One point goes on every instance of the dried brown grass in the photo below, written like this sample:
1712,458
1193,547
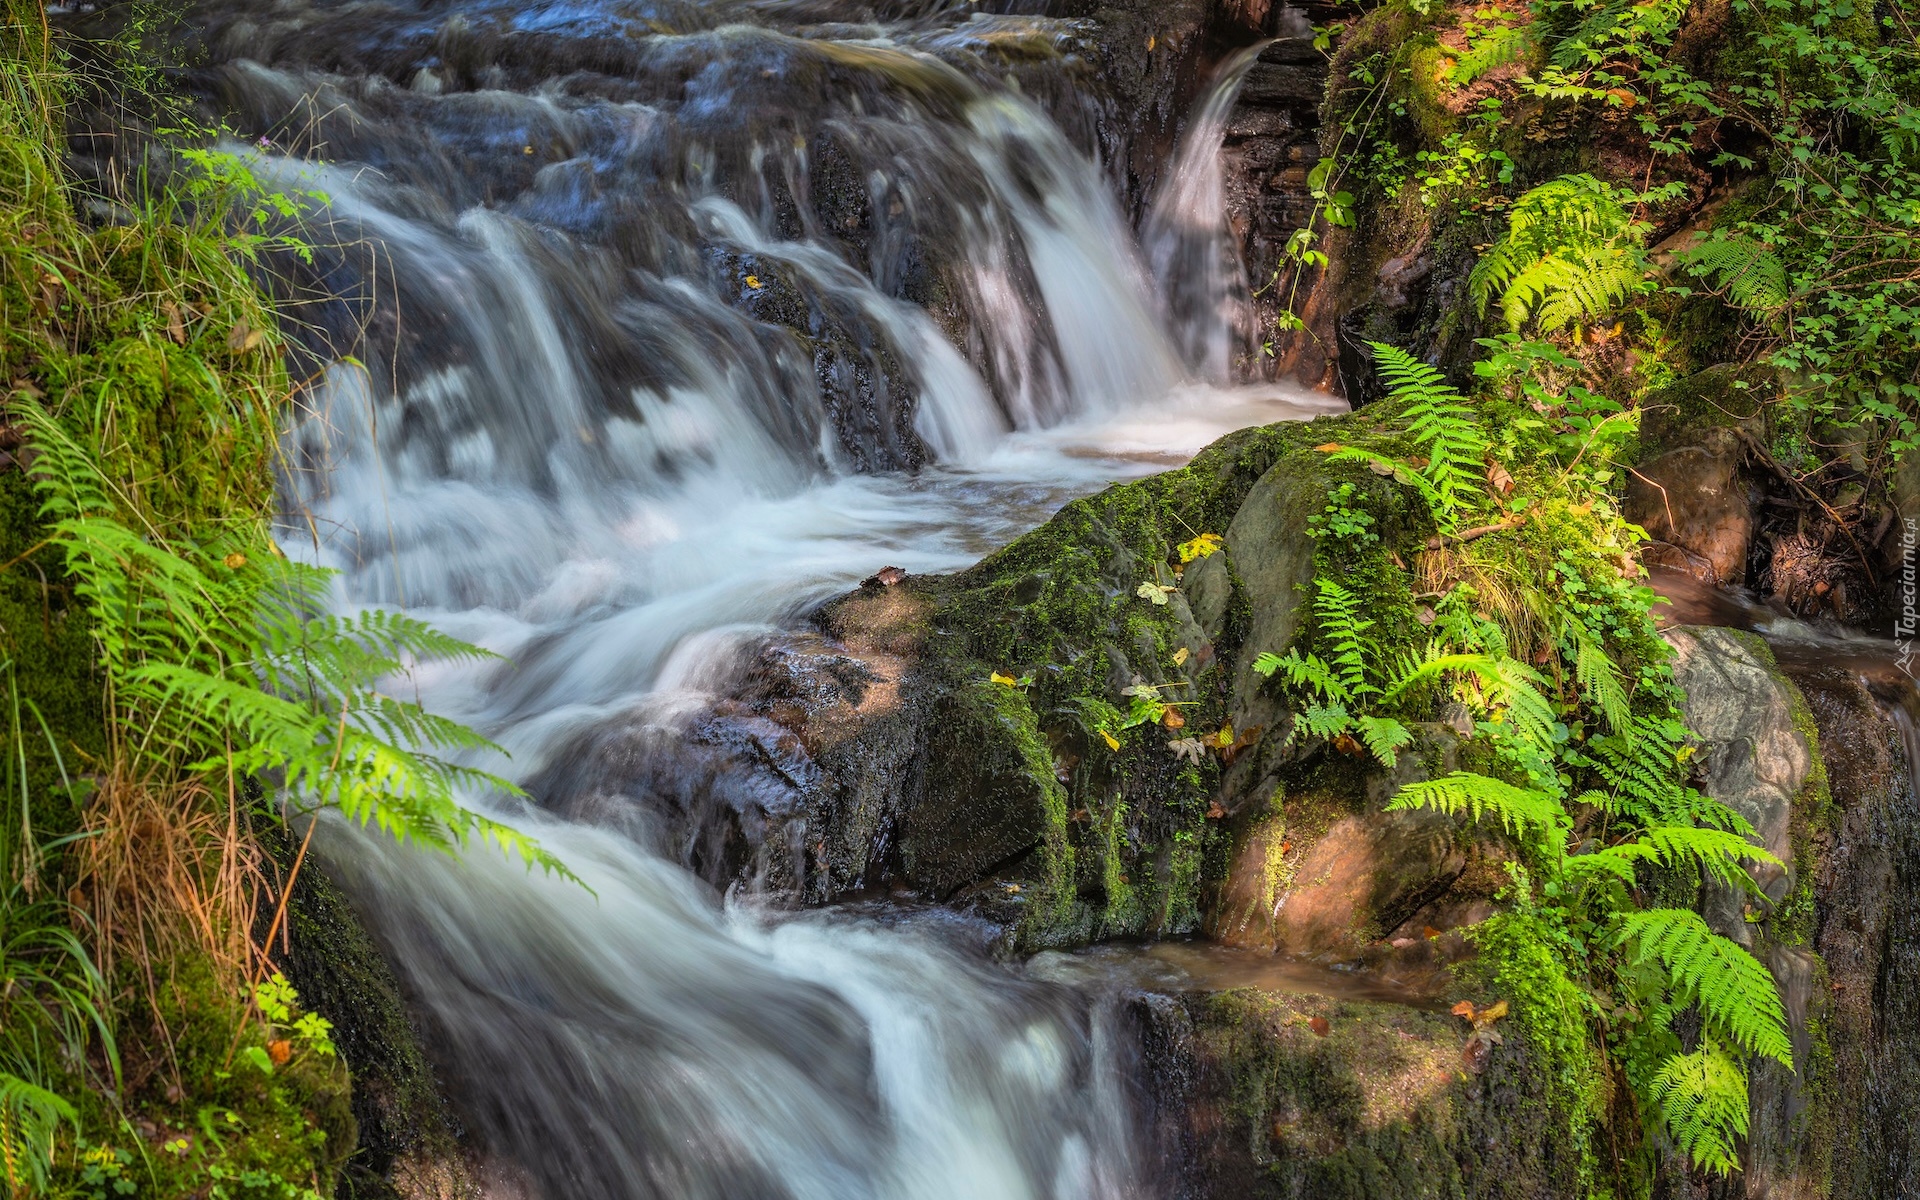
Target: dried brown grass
171,868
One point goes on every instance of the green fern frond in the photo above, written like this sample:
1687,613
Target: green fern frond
1575,283
1498,47
1384,736
1305,671
1337,612
1599,678
1442,423
1571,252
1520,810
1750,274
230,648
1734,992
1717,853
1325,720
1701,1101
30,1117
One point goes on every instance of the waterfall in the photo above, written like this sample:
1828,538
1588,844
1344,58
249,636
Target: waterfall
668,322
1194,255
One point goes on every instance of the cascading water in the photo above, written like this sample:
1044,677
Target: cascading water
660,304
1195,260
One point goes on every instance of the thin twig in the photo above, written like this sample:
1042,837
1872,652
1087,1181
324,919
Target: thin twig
1477,532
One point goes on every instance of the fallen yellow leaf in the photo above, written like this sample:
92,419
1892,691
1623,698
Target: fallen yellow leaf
997,677
753,282
1200,547
1180,657
1113,743
1329,447
235,561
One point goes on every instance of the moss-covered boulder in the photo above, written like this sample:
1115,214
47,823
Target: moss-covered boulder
1071,737
400,1138
1260,1094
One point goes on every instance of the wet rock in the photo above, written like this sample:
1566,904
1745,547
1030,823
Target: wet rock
1697,504
1755,759
1860,1134
401,1132
1353,885
1260,1094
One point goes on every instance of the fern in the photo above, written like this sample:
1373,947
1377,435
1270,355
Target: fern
1498,47
30,1116
1442,424
1384,736
1338,613
1520,810
1598,677
1716,852
1735,994
216,647
1570,253
1750,274
1701,1099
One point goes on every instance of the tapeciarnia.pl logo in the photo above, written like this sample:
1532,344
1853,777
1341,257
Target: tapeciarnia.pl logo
1908,622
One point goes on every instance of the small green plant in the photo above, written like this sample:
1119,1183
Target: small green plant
1343,518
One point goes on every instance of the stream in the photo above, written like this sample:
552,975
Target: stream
672,320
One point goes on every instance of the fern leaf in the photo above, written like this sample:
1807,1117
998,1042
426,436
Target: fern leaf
1599,678
1701,1099
1383,737
1734,992
1716,852
1325,721
1520,810
1751,275
1498,47
1441,421
30,1116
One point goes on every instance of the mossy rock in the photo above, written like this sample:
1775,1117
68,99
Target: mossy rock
399,1119
1261,1094
1029,795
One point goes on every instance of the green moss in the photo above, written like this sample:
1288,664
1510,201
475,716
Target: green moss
1524,961
1307,1095
1129,826
341,974
215,1111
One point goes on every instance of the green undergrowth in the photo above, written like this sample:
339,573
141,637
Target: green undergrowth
1535,625
1749,173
